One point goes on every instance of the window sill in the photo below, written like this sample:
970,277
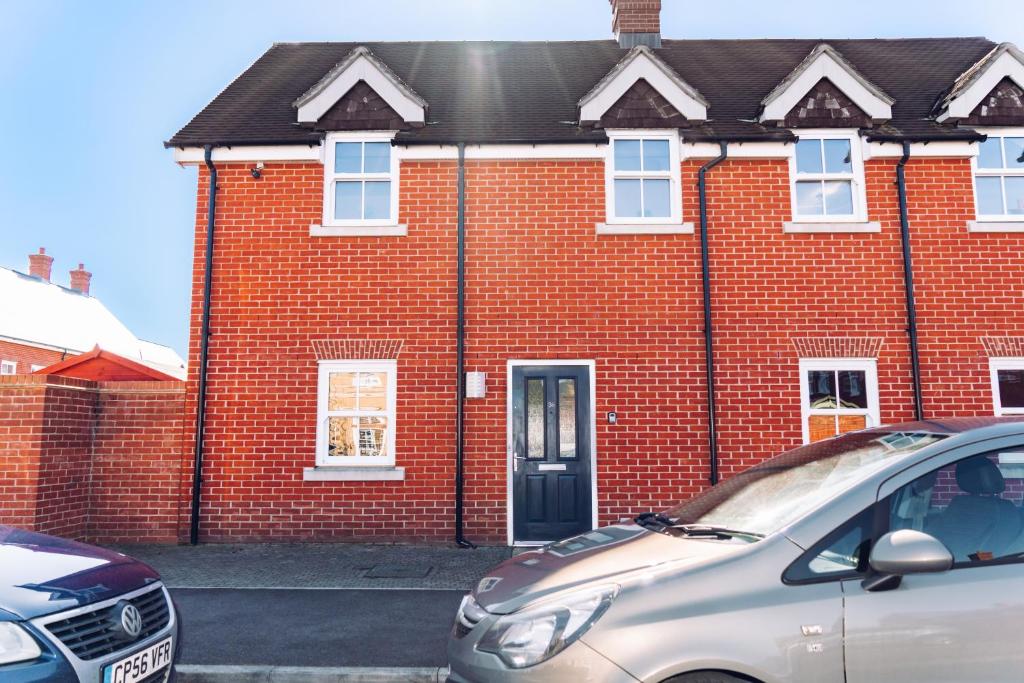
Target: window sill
643,229
349,473
995,226
859,226
358,230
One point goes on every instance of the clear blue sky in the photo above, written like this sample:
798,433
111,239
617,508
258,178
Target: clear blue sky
91,90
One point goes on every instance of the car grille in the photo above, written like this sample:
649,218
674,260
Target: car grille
90,635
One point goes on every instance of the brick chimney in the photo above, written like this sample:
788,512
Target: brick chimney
637,22
40,264
80,279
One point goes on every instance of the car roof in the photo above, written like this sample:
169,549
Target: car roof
960,425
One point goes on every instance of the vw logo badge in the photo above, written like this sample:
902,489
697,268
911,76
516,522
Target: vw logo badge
127,620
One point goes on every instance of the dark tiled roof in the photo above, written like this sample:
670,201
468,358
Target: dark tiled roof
528,91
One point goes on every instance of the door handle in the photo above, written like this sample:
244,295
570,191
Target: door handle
515,460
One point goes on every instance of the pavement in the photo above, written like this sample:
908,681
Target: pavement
316,613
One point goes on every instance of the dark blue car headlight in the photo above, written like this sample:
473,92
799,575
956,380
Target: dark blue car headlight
16,645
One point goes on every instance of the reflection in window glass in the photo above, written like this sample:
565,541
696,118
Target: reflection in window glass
627,198
627,155
372,431
377,157
566,418
656,155
657,200
809,199
821,389
347,157
838,197
342,391
341,437
348,200
1011,388
1014,194
990,194
808,156
838,156
378,200
990,154
853,392
535,418
1014,151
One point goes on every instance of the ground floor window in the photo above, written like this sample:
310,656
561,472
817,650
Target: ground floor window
356,413
8,367
837,395
1007,385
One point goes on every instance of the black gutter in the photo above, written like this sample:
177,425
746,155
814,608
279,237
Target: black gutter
415,141
204,346
961,136
460,349
705,274
908,281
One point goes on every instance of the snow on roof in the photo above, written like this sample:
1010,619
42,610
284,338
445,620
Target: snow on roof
40,313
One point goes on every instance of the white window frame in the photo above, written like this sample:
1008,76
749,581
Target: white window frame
675,216
8,367
994,366
977,171
34,367
869,366
856,176
330,178
390,367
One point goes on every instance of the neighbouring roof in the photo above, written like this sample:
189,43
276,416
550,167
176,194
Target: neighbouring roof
36,312
529,91
105,366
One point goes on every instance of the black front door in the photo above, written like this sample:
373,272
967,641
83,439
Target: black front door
551,436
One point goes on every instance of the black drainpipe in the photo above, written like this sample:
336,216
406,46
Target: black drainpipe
204,345
908,282
705,276
460,348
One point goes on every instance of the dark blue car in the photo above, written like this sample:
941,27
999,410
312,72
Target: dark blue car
77,613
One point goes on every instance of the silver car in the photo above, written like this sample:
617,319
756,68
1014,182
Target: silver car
892,554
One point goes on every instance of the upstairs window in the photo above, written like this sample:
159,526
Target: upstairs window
643,178
1007,385
827,178
361,181
837,396
999,177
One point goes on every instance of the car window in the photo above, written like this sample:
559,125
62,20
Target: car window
973,506
840,554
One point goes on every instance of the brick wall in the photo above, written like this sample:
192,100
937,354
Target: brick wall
27,356
91,460
542,284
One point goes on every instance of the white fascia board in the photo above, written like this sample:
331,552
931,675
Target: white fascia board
826,66
737,150
194,155
362,68
894,150
1008,64
643,64
529,151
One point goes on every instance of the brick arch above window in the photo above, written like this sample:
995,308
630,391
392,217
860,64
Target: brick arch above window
838,347
1003,347
357,349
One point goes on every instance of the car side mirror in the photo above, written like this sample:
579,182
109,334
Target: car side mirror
902,552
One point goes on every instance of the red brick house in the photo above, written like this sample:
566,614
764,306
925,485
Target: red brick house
507,291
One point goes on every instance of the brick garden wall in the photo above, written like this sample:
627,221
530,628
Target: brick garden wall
542,284
91,460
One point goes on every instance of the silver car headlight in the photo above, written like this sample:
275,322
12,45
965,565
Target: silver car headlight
16,645
541,630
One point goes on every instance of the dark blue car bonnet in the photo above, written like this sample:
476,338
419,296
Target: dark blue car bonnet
41,574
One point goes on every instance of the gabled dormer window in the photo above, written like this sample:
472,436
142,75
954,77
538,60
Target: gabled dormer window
361,180
827,178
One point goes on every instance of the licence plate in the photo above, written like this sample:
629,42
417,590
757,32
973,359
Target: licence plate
138,666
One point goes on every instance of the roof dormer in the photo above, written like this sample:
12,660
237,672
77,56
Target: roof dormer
642,91
991,92
361,93
826,91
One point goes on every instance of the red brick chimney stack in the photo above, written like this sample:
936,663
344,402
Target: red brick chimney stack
40,264
637,22
80,279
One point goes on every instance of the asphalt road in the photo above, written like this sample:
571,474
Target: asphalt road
321,628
